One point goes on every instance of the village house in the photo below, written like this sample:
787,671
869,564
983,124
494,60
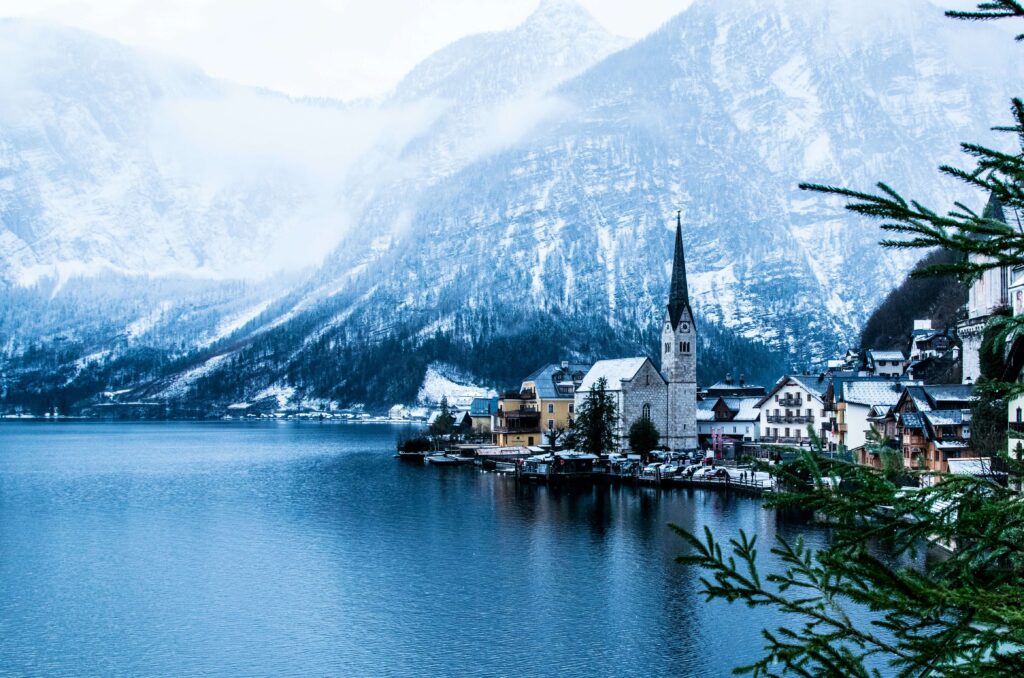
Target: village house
728,422
888,364
727,416
482,412
794,403
934,425
858,403
543,407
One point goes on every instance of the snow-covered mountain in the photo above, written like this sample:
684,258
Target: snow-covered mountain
514,197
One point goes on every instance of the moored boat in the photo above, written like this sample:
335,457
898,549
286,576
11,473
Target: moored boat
448,460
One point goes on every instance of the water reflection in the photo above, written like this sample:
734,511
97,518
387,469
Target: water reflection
302,549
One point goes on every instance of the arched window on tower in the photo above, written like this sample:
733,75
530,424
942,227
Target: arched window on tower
647,411
681,346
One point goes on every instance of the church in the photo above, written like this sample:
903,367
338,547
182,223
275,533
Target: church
667,396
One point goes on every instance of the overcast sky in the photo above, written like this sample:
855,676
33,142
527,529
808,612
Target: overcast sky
337,48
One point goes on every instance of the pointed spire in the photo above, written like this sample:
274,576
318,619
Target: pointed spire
994,209
678,294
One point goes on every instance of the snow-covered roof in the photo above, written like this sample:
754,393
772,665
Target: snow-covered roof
873,391
886,355
947,417
912,420
745,408
971,466
613,371
950,392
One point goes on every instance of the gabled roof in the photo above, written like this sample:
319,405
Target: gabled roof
614,372
918,396
549,376
743,408
912,420
814,384
885,355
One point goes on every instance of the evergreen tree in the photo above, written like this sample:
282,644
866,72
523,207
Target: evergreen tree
960,616
643,437
594,427
445,422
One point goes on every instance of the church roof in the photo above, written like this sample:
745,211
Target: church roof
613,371
678,292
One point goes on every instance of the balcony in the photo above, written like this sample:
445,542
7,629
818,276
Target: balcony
789,401
790,419
517,421
783,440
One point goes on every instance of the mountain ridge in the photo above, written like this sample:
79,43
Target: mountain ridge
557,237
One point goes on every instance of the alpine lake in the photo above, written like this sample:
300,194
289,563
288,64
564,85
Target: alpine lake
298,549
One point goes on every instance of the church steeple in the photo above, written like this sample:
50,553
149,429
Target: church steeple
678,294
994,209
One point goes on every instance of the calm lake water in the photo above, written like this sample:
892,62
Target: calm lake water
306,549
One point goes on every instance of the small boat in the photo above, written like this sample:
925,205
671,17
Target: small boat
448,459
412,456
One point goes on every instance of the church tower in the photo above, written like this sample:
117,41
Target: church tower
679,356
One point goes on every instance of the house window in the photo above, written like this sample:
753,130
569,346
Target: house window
648,379
797,432
572,407
668,347
787,432
551,424
551,408
529,441
1018,415
647,411
809,412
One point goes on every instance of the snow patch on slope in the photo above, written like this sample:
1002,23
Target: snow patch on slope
442,381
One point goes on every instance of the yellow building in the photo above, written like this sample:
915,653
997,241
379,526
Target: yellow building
542,408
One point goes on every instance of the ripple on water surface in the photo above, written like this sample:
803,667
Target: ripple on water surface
306,549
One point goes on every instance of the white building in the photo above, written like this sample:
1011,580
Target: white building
888,364
989,295
729,417
636,387
855,401
794,403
